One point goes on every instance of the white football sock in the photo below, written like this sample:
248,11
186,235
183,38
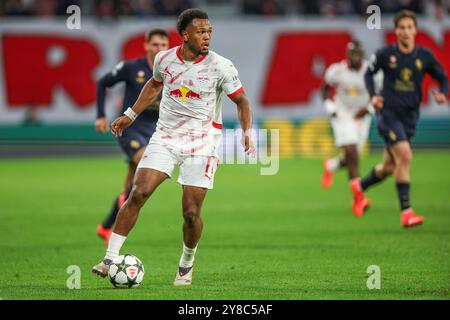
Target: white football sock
188,256
333,164
115,243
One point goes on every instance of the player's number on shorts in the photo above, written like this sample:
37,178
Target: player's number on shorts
210,166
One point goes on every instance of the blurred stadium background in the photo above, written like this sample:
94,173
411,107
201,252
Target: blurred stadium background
282,238
281,48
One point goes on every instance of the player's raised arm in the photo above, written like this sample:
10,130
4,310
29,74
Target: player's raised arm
148,93
245,119
437,72
374,65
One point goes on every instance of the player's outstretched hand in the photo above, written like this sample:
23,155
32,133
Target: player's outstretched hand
120,124
247,143
439,97
377,102
101,125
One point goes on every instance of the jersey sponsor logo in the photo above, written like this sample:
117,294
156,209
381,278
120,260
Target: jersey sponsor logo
404,83
392,62
406,74
140,76
184,93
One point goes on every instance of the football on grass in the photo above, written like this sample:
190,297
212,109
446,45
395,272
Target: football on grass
126,271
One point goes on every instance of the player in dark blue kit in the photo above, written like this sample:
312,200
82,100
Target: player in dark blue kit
135,73
404,65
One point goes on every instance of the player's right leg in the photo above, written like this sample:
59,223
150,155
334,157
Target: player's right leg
330,166
145,183
104,230
351,159
341,132
347,136
360,203
156,165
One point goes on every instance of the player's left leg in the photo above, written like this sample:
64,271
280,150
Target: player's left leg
196,177
342,131
192,230
351,160
403,156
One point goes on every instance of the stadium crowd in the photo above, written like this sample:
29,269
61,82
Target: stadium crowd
144,8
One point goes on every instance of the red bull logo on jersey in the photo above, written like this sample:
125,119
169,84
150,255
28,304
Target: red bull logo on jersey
184,94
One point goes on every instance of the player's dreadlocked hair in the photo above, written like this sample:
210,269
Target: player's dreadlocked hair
160,32
187,16
405,14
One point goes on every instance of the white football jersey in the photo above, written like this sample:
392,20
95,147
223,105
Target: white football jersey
191,105
193,90
351,93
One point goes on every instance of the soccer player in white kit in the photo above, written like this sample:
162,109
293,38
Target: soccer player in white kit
350,114
193,80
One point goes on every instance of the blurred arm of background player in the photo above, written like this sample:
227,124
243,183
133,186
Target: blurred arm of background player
437,72
330,106
107,81
245,118
376,101
148,94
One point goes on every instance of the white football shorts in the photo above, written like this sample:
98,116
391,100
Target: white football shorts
348,131
195,170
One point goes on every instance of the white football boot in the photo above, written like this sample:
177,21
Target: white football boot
102,268
184,277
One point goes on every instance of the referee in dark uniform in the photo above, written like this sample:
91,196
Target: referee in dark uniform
134,73
404,65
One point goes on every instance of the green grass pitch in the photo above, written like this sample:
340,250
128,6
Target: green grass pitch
265,237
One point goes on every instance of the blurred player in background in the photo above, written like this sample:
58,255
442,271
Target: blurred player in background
404,65
193,80
350,114
135,73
